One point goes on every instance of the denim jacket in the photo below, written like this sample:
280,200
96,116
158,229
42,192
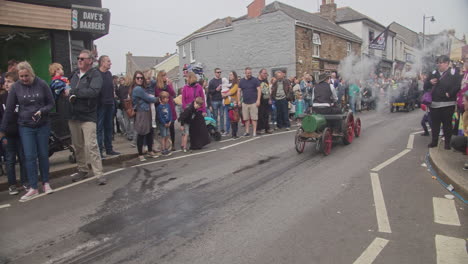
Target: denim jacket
141,99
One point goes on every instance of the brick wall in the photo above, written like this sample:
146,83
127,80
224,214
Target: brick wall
333,48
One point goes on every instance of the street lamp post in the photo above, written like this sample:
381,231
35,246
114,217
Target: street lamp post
424,27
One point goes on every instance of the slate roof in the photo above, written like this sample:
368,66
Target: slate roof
145,62
347,14
411,37
215,24
173,74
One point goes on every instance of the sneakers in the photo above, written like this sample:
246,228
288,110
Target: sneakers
102,180
166,153
152,154
142,158
112,153
254,134
185,150
29,195
47,188
465,167
246,134
288,128
269,131
13,190
225,134
78,176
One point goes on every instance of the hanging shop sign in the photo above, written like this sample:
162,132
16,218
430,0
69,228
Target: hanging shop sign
90,19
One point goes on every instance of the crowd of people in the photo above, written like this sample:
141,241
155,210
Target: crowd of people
98,105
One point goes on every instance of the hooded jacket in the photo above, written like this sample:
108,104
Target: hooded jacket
86,91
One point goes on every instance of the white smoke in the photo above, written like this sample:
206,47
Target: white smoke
354,68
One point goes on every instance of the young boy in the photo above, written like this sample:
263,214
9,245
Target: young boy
12,143
185,119
59,83
165,120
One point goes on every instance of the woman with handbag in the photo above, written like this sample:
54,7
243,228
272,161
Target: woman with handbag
142,97
442,85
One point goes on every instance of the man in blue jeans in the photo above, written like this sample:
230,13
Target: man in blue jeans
106,108
214,91
280,91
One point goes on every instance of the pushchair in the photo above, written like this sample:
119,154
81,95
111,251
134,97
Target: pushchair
60,138
212,128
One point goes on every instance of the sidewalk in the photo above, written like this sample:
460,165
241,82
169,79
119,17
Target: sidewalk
449,166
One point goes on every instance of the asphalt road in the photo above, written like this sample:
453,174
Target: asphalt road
255,202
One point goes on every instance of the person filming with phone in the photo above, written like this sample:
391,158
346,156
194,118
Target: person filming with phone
34,99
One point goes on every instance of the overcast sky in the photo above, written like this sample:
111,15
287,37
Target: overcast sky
152,27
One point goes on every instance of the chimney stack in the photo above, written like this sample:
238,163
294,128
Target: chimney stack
328,10
255,8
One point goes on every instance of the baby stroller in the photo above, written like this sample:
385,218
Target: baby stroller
212,128
60,138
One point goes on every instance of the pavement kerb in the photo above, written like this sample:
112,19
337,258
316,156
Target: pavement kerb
69,170
446,176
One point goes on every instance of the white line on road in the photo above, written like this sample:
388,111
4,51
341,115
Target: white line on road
175,158
230,139
4,206
410,142
372,251
451,250
390,160
233,145
279,133
445,212
380,208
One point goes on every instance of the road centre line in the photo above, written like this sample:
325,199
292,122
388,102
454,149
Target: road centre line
410,142
372,251
445,212
380,208
5,206
390,160
450,250
175,158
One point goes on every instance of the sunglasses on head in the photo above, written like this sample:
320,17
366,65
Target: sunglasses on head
81,58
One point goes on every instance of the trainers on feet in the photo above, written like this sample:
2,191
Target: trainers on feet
254,134
166,153
152,154
47,188
102,180
184,150
465,167
142,158
112,153
287,129
246,134
13,190
29,195
78,176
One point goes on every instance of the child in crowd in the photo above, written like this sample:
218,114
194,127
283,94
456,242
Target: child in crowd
300,105
11,143
165,120
426,119
234,119
225,87
59,83
192,121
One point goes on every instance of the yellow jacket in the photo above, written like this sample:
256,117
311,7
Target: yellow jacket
233,94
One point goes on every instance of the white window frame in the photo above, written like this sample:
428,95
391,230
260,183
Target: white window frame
192,52
348,48
316,43
183,52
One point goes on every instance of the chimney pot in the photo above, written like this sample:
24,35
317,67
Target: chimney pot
255,8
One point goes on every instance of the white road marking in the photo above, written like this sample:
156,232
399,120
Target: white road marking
372,251
175,158
380,208
5,206
279,133
450,250
236,144
390,160
445,212
230,139
410,142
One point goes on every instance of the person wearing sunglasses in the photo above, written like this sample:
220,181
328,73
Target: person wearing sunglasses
35,100
214,92
85,86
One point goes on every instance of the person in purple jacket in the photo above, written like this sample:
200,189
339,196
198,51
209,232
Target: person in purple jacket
163,84
35,100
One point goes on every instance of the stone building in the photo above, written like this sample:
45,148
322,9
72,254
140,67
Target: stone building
275,37
406,46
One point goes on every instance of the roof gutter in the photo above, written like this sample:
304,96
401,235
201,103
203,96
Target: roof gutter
305,25
202,34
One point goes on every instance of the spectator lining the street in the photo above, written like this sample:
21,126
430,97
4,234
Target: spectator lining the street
265,103
164,114
86,84
35,101
281,92
214,92
250,93
230,103
142,97
199,136
12,146
164,84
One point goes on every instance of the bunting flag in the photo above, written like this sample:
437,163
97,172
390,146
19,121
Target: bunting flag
380,42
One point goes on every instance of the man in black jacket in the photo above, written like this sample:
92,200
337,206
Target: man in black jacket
214,91
324,97
83,95
444,84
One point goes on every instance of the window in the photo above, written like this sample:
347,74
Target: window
316,45
348,48
192,52
371,35
316,75
183,52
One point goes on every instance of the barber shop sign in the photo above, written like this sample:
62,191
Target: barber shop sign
95,20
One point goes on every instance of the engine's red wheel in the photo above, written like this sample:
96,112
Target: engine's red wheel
348,129
298,142
327,141
357,127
